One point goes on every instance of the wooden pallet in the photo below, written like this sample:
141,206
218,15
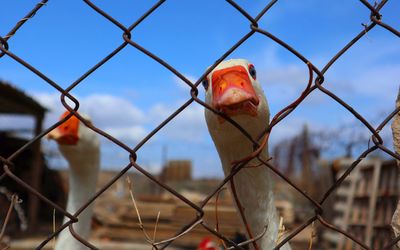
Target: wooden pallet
366,202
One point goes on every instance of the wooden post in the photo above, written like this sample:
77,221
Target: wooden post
36,175
373,191
307,176
290,169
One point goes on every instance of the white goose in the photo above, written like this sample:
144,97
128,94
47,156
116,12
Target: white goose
233,89
81,148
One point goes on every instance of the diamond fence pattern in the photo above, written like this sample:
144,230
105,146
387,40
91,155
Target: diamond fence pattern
315,83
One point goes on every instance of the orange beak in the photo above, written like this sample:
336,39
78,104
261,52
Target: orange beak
233,92
67,132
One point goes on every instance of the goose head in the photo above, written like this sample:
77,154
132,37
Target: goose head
75,140
232,88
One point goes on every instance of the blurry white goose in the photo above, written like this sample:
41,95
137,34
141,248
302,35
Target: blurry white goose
81,148
233,89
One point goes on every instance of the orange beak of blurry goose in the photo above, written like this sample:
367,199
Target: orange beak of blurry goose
233,92
67,132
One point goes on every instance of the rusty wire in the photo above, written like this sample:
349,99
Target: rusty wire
376,20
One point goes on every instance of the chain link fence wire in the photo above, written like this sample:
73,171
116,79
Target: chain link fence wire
376,21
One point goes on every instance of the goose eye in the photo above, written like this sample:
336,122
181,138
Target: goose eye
252,71
205,83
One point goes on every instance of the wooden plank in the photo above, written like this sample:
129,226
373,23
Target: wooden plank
353,179
372,201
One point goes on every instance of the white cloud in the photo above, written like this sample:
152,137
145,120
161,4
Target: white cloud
382,81
290,127
183,85
51,101
288,75
123,120
188,126
112,111
22,125
366,77
135,133
114,115
282,81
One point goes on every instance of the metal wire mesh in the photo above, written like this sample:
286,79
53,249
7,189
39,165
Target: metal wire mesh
377,22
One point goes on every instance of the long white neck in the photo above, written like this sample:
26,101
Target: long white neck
83,173
253,187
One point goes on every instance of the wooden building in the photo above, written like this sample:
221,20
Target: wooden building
177,171
365,203
29,165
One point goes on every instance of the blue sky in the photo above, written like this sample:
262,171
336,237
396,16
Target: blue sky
132,94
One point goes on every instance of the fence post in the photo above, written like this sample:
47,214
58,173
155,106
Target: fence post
36,175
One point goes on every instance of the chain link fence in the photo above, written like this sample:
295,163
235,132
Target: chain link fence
376,22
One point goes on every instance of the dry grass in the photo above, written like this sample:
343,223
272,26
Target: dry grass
141,225
312,235
281,231
14,200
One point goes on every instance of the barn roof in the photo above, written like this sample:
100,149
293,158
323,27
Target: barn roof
15,101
